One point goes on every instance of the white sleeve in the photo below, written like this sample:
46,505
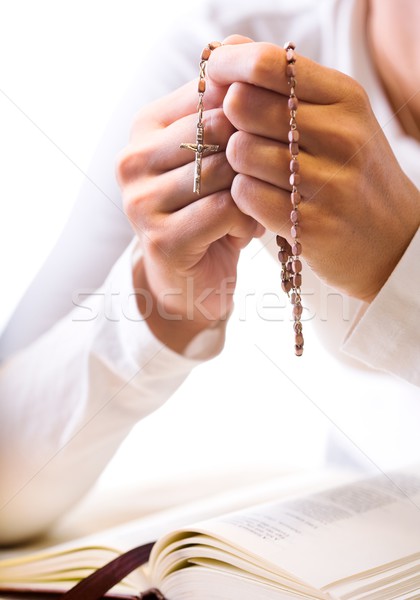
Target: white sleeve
386,333
80,367
70,398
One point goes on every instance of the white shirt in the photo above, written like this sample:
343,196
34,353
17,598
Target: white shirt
66,348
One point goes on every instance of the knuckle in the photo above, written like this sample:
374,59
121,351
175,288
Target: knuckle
355,95
265,61
224,201
155,244
130,163
216,120
135,201
219,169
235,103
242,187
237,150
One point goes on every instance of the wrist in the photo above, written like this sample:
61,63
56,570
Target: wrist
173,315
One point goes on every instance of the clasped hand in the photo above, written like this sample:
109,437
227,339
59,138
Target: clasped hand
359,213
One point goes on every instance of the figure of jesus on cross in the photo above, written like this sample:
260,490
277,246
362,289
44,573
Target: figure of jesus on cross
199,148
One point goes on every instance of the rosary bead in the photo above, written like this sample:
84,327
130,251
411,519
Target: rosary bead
297,280
297,310
294,179
297,266
290,55
297,248
214,45
205,55
292,103
295,231
288,45
299,339
293,135
286,286
283,256
294,148
201,86
291,70
298,350
296,198
294,166
294,216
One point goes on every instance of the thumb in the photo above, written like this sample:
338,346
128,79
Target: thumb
236,39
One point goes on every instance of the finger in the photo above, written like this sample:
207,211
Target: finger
173,190
237,39
323,129
274,207
269,161
174,106
202,223
182,101
159,151
273,212
244,104
264,65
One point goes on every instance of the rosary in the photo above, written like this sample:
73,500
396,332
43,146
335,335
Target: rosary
288,254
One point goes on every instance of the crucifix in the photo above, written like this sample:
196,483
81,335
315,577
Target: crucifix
199,148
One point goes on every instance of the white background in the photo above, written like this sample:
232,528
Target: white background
63,67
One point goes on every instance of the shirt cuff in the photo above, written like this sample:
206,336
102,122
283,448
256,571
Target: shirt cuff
386,333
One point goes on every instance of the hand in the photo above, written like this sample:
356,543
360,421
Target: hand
191,244
360,211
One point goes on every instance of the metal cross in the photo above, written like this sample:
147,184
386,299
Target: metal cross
199,148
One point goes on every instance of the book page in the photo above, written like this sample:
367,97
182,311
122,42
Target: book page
329,535
96,549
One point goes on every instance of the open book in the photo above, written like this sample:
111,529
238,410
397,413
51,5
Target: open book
360,540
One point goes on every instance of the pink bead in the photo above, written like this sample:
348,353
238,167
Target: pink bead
294,166
297,310
291,70
293,135
297,266
296,198
286,286
283,256
292,103
295,231
297,249
294,216
293,298
298,350
294,148
294,179
288,45
299,339
290,55
205,55
297,280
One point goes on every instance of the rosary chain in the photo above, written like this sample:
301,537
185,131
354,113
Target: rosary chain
199,147
291,265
